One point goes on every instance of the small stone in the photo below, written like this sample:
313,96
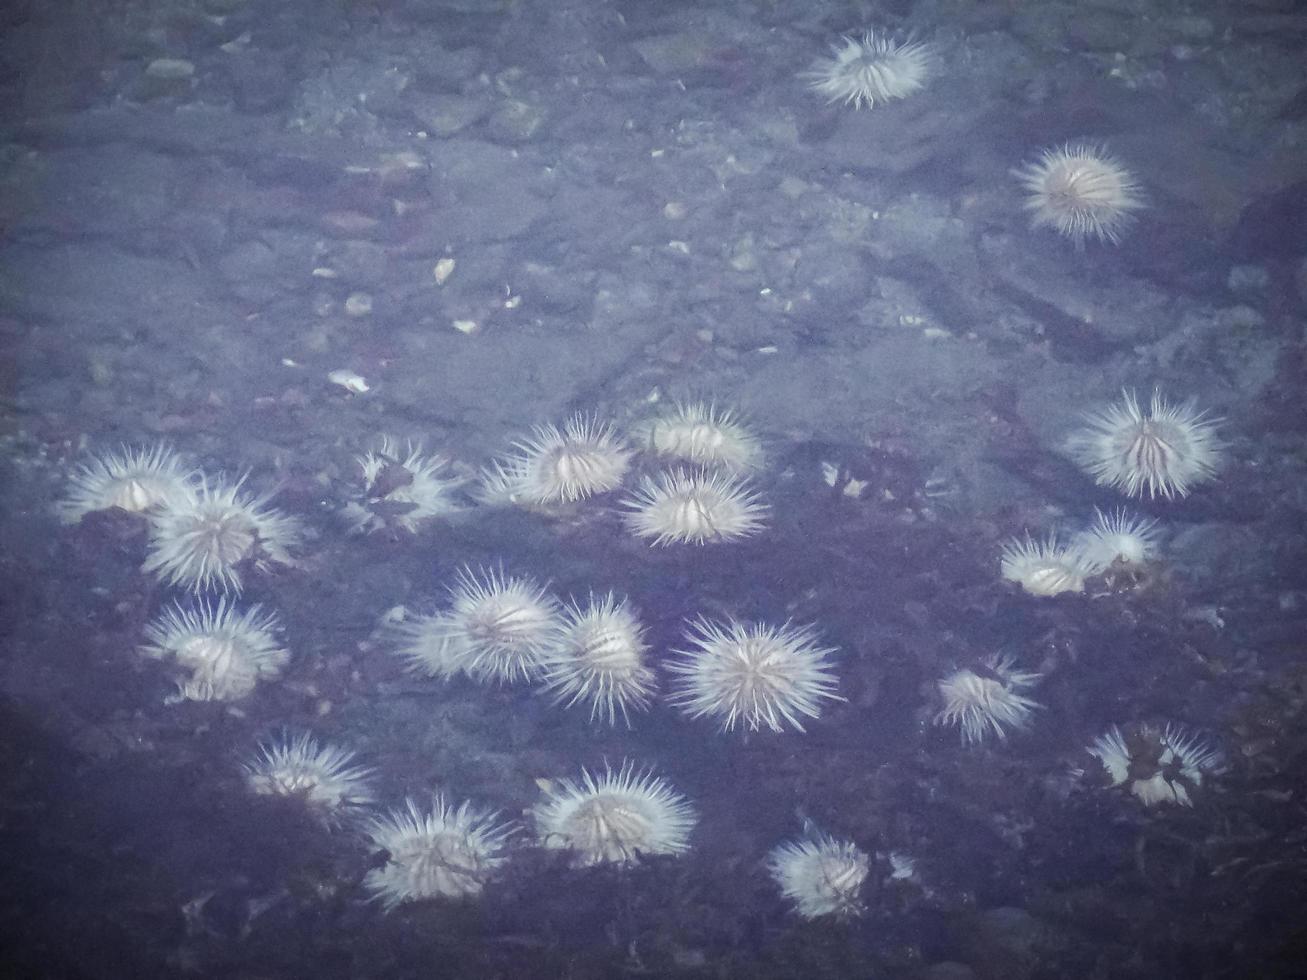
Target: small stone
358,305
445,115
399,169
515,121
1248,279
237,44
165,77
170,69
674,54
261,81
102,374
349,380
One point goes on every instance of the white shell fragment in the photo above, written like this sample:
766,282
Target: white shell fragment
170,68
358,304
349,380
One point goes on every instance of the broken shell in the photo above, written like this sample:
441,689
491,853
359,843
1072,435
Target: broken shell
358,304
171,69
348,380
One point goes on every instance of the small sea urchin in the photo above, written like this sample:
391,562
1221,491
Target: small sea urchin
599,659
553,466
1165,766
136,480
1080,191
498,628
872,70
225,653
1117,537
987,698
1044,568
206,541
614,818
429,643
820,875
682,507
322,775
753,675
1164,451
440,852
402,489
702,434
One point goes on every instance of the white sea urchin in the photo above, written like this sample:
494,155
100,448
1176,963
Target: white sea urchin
441,852
1165,450
206,541
1117,537
681,507
1081,191
137,480
872,70
497,628
599,659
1044,568
753,674
821,875
225,653
701,433
402,488
615,818
987,698
553,466
1160,766
322,775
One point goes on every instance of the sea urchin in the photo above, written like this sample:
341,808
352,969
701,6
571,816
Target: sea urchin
754,675
1165,450
699,507
614,818
555,466
872,70
207,541
987,698
225,653
820,875
599,659
324,776
135,480
1080,191
439,852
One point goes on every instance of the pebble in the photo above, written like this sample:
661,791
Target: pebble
349,380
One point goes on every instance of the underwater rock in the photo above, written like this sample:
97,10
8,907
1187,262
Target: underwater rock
1007,943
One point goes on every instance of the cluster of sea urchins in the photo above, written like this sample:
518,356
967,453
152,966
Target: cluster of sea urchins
503,628
1163,451
208,534
700,495
500,628
1081,191
1077,189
